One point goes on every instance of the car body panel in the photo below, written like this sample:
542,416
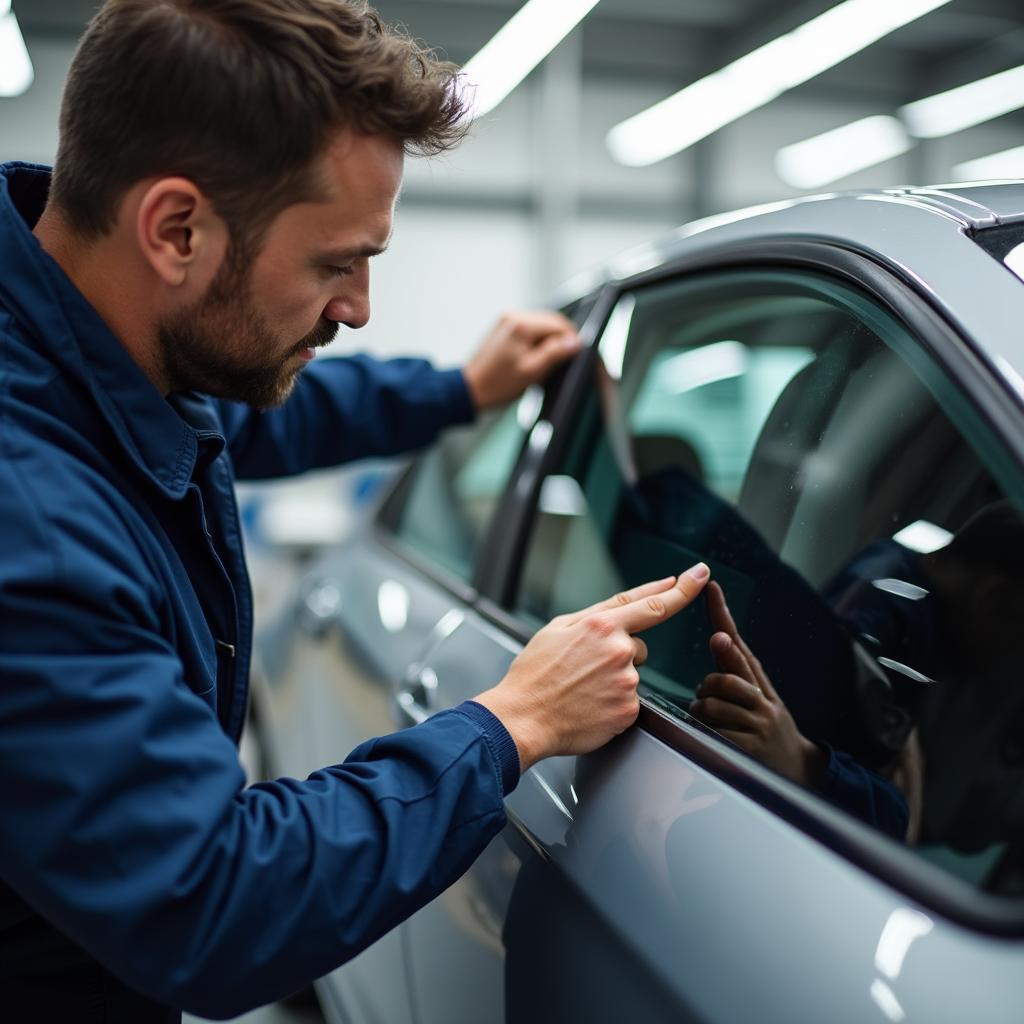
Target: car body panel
637,881
630,829
330,665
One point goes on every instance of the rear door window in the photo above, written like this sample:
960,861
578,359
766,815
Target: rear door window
444,505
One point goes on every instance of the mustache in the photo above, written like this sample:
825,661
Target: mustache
321,335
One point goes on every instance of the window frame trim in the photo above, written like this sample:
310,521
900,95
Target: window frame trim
498,540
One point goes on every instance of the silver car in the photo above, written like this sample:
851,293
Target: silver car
823,400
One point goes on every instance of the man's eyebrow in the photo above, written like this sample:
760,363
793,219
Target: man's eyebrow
344,255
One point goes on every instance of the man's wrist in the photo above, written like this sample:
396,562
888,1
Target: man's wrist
815,761
521,726
474,388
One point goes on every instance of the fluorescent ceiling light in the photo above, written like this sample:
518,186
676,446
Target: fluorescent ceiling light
721,360
393,605
756,79
1007,164
16,72
528,37
904,927
966,106
562,496
1014,261
869,141
616,334
843,151
530,406
923,536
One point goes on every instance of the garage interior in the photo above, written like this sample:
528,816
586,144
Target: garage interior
540,195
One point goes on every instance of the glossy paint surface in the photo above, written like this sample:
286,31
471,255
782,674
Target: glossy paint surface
635,883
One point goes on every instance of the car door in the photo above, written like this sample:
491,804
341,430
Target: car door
362,617
806,434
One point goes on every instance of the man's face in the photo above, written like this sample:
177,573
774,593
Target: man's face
257,326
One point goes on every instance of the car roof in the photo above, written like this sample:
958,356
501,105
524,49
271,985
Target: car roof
927,235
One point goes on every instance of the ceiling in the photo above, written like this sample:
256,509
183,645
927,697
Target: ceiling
677,41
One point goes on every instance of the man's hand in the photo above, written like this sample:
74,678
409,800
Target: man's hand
574,685
740,702
521,350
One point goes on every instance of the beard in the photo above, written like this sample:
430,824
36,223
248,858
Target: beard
224,347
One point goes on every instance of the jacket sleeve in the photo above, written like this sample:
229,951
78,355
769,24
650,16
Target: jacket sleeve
344,409
864,794
125,821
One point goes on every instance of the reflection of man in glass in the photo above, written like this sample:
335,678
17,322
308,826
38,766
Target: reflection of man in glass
934,632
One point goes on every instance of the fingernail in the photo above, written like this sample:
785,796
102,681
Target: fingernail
699,572
571,341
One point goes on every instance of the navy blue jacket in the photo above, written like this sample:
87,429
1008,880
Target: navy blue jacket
137,871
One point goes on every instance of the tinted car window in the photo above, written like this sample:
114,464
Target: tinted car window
446,502
863,527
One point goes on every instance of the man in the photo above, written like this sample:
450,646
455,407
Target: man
226,170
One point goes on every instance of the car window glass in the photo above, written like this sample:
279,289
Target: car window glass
455,486
865,531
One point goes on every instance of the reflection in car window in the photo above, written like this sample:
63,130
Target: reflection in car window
868,552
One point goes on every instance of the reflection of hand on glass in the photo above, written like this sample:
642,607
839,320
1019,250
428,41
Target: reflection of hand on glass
741,704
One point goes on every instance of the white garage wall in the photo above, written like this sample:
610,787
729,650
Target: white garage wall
445,277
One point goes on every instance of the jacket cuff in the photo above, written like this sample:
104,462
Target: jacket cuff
502,746
457,397
830,774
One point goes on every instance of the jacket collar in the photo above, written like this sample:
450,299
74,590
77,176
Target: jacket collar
50,309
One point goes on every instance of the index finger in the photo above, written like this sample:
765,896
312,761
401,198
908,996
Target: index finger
624,598
650,610
722,620
718,610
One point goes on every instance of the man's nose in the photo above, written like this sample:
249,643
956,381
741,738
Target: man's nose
352,309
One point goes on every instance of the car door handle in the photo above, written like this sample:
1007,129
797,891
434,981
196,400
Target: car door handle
415,698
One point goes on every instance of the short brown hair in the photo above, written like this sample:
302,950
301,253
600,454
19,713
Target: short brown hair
238,96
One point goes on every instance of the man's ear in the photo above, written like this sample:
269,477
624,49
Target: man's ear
178,231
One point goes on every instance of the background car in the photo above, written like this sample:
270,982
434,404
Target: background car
799,395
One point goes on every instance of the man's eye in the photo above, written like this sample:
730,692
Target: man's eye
340,271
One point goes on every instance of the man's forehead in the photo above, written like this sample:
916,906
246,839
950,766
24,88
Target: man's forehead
360,179
354,161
